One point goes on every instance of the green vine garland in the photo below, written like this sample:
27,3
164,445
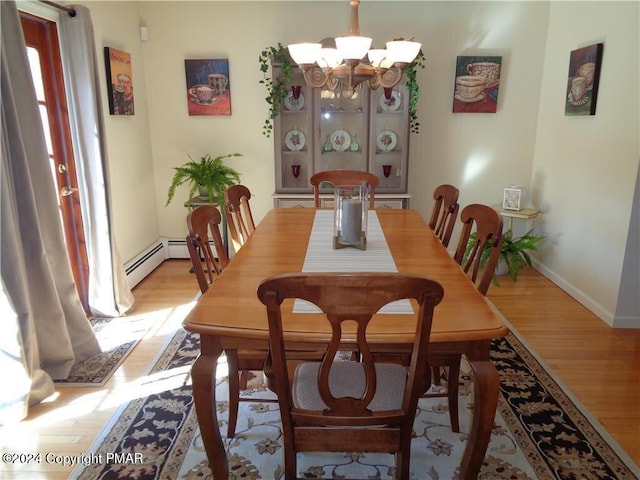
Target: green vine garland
277,89
414,90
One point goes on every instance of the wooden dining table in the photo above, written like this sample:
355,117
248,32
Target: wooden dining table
230,316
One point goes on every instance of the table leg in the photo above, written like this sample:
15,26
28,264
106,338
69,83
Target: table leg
486,389
203,375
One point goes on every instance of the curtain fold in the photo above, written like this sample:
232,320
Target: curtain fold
45,329
109,292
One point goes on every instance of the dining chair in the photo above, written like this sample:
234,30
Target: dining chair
341,405
484,254
238,214
445,212
207,266
344,177
478,260
201,221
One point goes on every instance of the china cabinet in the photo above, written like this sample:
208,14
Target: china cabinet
359,129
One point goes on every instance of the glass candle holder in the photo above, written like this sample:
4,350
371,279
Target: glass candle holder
350,216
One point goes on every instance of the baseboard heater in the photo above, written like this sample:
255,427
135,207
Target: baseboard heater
145,263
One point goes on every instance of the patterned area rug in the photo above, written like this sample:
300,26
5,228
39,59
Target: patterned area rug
539,432
117,337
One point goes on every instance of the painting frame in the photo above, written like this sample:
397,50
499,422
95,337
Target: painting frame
583,80
119,81
477,83
208,86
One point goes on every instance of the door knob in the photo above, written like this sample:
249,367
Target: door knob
66,190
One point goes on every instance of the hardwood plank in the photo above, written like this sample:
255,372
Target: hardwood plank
598,364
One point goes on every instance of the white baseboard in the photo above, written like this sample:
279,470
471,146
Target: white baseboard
177,249
626,322
603,314
146,262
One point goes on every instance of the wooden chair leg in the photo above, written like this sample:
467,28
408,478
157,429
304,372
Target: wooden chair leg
403,458
234,391
452,391
290,463
244,379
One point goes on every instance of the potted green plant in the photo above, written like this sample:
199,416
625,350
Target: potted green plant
210,176
514,253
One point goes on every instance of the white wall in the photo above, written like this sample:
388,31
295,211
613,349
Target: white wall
482,153
131,166
585,168
580,171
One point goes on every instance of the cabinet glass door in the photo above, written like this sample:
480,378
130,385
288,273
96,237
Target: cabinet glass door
389,138
342,129
294,139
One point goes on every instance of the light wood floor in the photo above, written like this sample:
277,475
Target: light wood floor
598,364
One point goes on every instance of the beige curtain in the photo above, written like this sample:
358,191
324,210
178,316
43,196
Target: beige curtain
109,292
44,327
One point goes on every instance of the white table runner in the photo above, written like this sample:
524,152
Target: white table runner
321,257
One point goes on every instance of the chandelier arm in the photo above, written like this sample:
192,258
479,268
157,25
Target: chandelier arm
315,76
332,82
374,82
390,77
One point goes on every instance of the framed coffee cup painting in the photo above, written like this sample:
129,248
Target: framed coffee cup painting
208,87
119,81
476,84
584,77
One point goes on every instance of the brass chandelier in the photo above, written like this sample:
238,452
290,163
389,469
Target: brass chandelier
330,63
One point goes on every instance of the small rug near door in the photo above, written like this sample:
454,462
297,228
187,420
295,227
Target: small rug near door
117,337
539,431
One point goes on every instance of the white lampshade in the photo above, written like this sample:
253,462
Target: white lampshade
329,57
403,51
376,56
305,53
353,47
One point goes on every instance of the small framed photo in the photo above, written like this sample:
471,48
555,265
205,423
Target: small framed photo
583,81
476,84
512,198
119,81
208,87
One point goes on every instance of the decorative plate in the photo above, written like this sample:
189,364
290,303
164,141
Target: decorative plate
387,140
340,140
392,104
294,104
294,140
